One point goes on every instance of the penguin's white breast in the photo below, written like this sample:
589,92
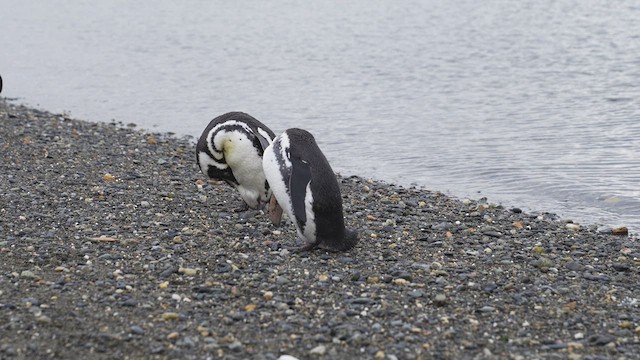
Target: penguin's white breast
310,225
275,177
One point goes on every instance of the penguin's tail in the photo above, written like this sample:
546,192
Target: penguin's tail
349,240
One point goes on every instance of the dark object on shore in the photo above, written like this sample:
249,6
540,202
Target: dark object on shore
307,189
624,231
0,84
230,149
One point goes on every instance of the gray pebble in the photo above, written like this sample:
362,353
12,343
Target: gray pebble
440,299
235,346
137,330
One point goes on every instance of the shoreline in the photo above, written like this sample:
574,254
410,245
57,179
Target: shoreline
114,245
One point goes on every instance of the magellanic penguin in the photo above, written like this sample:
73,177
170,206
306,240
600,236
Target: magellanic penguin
306,188
231,149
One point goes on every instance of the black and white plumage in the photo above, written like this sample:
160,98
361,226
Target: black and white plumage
231,149
307,189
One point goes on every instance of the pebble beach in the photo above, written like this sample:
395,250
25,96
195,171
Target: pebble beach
113,245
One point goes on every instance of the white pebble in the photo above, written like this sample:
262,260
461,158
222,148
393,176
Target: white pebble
287,357
318,350
573,227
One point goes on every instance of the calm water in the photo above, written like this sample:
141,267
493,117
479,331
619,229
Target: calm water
534,104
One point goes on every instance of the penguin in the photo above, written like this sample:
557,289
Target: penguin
0,84
307,189
230,149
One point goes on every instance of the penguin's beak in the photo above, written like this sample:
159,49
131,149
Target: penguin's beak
275,211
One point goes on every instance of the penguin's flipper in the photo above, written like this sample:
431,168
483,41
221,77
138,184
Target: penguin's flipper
300,178
263,141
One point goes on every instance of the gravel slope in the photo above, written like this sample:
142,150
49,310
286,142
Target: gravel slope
113,245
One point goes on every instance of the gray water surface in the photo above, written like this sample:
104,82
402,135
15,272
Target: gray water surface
534,104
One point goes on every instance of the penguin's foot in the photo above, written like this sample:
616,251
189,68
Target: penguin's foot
304,248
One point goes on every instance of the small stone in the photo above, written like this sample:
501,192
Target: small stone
43,319
129,303
169,316
268,295
250,307
401,282
173,335
361,300
604,230
187,271
379,355
573,227
440,299
323,277
136,330
235,346
441,226
626,324
601,340
108,177
318,350
574,266
486,309
28,274
537,249
621,231
621,267
544,264
416,293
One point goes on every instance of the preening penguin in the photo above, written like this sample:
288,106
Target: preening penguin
231,149
306,187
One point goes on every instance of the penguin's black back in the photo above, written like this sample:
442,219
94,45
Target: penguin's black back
327,201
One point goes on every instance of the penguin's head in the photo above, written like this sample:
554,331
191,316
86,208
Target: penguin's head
235,145
226,140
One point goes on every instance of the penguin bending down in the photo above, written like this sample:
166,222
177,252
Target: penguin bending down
306,187
230,149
